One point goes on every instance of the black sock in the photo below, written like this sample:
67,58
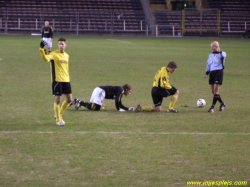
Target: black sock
83,104
90,106
215,99
220,100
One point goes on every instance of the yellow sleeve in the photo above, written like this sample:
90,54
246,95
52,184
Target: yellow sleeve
44,56
165,79
157,79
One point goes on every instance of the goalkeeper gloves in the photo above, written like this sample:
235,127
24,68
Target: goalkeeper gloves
43,44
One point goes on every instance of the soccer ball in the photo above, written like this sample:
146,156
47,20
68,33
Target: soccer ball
201,103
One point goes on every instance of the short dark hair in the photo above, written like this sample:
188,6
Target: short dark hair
172,64
127,87
62,39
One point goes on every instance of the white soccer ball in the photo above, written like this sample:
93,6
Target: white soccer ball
201,103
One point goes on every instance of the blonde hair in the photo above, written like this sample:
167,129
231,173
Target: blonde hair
215,43
215,46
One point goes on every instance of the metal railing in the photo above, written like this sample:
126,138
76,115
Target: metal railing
235,26
109,21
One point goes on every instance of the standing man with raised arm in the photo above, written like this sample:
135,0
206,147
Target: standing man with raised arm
59,60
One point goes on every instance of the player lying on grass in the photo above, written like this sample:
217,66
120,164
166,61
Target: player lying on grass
162,88
59,60
105,92
215,67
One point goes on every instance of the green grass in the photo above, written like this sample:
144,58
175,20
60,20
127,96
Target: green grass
109,148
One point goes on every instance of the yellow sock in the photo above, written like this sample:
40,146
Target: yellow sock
57,112
64,107
147,108
173,101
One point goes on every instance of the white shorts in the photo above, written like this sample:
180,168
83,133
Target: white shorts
97,96
48,41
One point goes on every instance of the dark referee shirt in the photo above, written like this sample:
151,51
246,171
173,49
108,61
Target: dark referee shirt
47,32
114,92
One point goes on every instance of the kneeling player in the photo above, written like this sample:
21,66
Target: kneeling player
162,88
105,92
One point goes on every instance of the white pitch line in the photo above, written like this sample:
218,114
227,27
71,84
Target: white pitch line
35,34
119,41
105,132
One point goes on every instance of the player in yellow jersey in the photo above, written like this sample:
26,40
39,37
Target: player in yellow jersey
162,88
59,60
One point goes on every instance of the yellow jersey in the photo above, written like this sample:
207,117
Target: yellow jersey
59,65
161,79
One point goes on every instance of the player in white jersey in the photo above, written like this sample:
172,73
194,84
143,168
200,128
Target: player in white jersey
105,92
47,35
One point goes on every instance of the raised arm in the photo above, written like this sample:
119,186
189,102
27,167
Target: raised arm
45,57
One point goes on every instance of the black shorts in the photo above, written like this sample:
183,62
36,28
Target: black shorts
158,94
216,77
59,88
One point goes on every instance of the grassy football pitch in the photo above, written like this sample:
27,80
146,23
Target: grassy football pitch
110,148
